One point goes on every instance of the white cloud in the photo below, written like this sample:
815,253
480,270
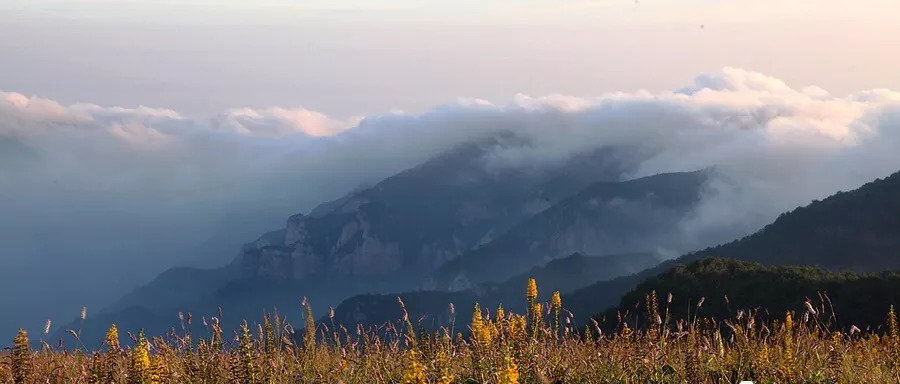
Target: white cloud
274,122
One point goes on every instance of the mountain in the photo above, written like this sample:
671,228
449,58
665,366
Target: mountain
855,299
415,221
384,238
857,230
640,215
177,286
635,217
247,298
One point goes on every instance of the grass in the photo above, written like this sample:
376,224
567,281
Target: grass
541,346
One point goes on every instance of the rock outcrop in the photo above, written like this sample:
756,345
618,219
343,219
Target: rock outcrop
419,220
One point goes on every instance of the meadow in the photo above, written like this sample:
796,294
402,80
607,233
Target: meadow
494,346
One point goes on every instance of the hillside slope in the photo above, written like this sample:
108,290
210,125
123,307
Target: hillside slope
857,230
856,299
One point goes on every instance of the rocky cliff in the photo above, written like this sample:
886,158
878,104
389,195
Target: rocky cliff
640,215
423,218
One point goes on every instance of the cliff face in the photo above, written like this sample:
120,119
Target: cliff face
640,215
423,218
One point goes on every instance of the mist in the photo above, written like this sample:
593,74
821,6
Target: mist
95,200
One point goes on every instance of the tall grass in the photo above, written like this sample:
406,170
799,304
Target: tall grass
540,346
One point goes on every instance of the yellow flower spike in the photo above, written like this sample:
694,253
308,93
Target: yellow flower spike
158,371
111,360
556,302
21,358
112,338
787,361
413,371
556,305
532,291
139,370
509,374
481,332
893,331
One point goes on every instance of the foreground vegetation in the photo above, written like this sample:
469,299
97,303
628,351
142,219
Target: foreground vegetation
540,346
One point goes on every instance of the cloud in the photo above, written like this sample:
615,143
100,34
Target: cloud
773,147
275,122
105,197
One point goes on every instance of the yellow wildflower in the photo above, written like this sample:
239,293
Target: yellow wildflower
414,371
21,358
481,332
510,372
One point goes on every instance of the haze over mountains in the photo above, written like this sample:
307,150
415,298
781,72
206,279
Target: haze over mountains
541,177
849,231
641,215
394,235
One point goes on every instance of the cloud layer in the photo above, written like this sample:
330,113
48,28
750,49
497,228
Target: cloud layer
99,198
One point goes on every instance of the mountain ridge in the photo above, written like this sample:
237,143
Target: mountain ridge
815,224
624,216
361,242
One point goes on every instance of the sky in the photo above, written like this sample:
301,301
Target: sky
138,135
348,58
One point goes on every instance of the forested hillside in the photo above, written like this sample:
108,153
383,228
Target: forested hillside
727,286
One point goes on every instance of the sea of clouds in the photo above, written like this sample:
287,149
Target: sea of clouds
95,200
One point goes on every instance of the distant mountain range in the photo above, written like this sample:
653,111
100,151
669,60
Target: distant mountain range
856,231
460,228
397,235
